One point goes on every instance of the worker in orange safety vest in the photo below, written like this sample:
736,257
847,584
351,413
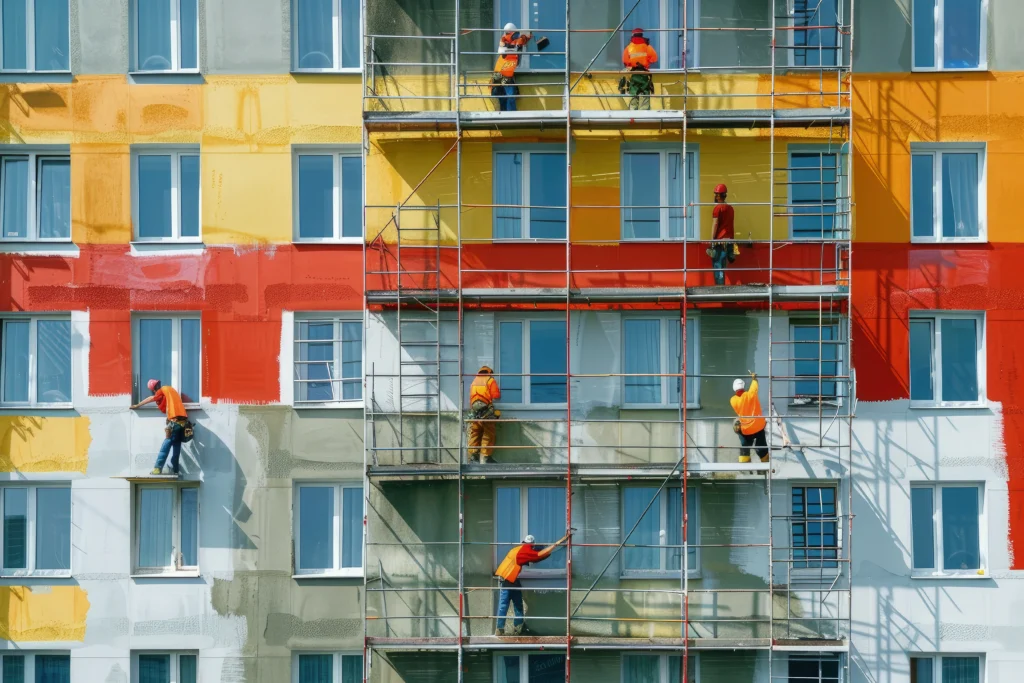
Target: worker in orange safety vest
638,58
483,392
508,579
751,423
510,46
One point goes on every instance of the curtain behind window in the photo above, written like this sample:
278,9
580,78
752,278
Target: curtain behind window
154,668
155,528
315,668
508,190
187,668
315,27
962,40
15,195
352,534
959,359
643,356
54,669
641,187
510,361
960,539
54,198
154,35
53,528
507,529
647,533
351,669
959,195
546,519
14,669
16,528
316,527
961,670
316,196
154,190
53,361
641,669
190,527
351,360
15,352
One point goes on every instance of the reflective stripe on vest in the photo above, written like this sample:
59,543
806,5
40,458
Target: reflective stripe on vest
480,389
509,569
638,54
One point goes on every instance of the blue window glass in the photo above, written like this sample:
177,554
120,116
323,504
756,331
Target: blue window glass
188,23
16,360
547,189
507,520
816,46
15,197
54,198
316,196
352,528
959,195
922,511
548,19
922,670
16,528
641,188
154,352
922,198
642,357
546,668
13,669
316,668
961,670
350,42
315,370
508,194
959,359
314,22
924,33
351,669
15,18
190,360
316,527
813,190
545,520
189,195
510,361
352,361
190,527
52,34
814,530
155,527
351,196
547,361
921,354
961,40
634,500
153,35
53,669
961,508
816,356
187,666
53,528
154,203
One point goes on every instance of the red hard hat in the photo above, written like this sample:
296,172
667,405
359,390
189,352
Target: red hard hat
638,32
721,189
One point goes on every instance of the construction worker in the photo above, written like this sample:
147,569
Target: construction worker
169,402
510,46
723,232
483,392
508,579
638,57
750,423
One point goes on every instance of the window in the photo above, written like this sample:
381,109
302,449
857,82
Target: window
661,525
531,361
328,361
535,510
947,359
950,34
947,195
816,356
946,669
166,529
166,35
529,668
36,533
167,196
36,668
815,527
947,523
544,19
529,188
657,669
327,35
665,14
164,667
326,667
329,196
819,45
35,35
816,188
329,529
167,348
814,669
651,346
35,197
36,366
655,198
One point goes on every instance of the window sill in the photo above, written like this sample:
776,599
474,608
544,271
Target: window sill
167,77
658,406
343,240
346,405
532,406
656,576
944,70
342,574
190,574
942,241
144,247
39,247
343,71
930,405
977,575
13,76
41,574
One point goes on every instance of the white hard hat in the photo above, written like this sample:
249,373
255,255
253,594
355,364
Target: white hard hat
738,384
510,28
529,538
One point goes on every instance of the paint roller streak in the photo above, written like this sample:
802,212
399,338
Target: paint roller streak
56,613
44,444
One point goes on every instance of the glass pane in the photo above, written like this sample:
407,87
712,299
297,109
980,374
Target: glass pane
15,351
640,669
547,356
674,528
54,197
351,669
545,518
635,499
924,35
922,195
641,186
961,42
643,357
546,668
154,668
52,42
15,528
190,527
676,184
813,186
53,528
154,195
314,21
53,668
316,194
352,361
351,196
155,527
820,42
316,527
815,356
510,11
959,195
352,528
15,196
548,19
350,47
14,669
53,361
547,188
508,190
959,359
154,352
961,670
189,27
154,35
921,387
922,670
190,216
922,513
510,361
508,669
187,668
315,367
960,540
190,360
507,529
14,34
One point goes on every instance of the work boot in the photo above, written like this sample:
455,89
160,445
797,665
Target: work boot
157,471
472,457
744,458
498,633
485,459
766,458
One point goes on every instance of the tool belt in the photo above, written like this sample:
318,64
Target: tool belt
483,411
499,83
188,430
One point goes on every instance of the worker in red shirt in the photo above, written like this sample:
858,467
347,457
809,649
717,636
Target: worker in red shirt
723,233
168,400
508,579
638,58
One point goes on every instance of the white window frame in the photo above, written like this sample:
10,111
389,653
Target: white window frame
804,574
175,29
693,535
939,572
694,39
35,156
339,528
177,569
33,362
337,153
175,153
937,662
30,532
819,658
336,663
526,321
940,47
842,220
935,317
523,22
692,370
527,153
791,41
30,43
175,668
339,319
810,401
175,379
524,666
336,25
691,191
530,571
30,660
664,662
936,150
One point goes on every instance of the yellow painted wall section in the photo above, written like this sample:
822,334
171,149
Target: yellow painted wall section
43,613
44,444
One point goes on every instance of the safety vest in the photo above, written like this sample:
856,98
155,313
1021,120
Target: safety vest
639,54
509,569
507,63
748,407
483,388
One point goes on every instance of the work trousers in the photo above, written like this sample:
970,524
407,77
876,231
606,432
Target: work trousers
757,440
174,432
640,87
481,438
719,259
511,90
511,593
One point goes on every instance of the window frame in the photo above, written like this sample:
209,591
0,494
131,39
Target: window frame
34,155
817,657
337,570
339,319
939,572
804,574
175,29
694,527
525,216
794,29
691,190
30,43
177,569
529,571
692,401
940,44
175,152
937,657
175,381
523,22
30,660
936,358
842,218
936,151
337,29
175,667
33,362
524,666
337,153
664,664
693,41
797,401
526,320
30,532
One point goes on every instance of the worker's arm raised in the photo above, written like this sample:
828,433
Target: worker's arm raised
551,548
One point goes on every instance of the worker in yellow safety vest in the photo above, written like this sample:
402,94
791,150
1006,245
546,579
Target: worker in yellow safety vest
483,392
508,579
751,423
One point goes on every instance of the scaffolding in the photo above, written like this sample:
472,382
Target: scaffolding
427,277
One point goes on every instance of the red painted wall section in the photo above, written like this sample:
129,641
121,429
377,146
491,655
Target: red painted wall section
237,292
889,280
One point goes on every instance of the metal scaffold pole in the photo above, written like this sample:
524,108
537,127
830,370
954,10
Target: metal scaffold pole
459,636
771,286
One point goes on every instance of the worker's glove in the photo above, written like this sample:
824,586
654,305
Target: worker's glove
622,85
736,426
